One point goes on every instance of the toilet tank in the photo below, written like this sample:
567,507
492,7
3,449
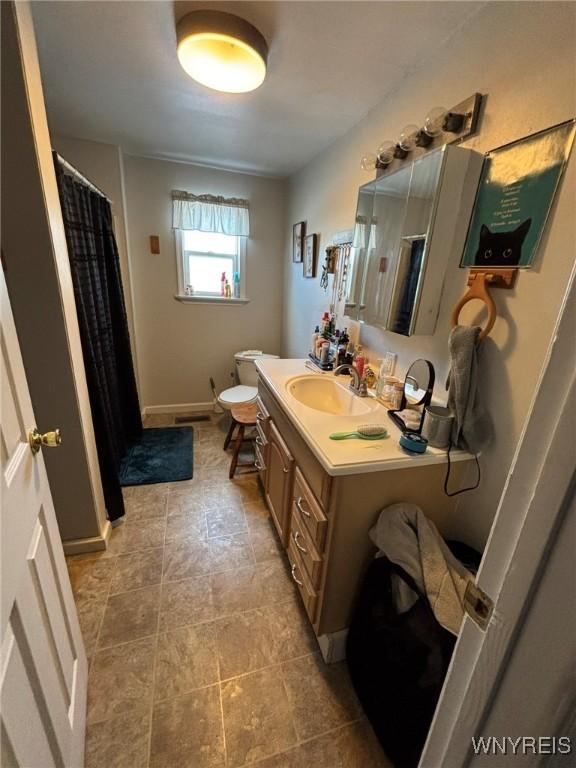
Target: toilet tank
245,368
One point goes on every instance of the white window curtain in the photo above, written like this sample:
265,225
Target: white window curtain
208,213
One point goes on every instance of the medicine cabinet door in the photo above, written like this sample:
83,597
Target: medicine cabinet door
406,277
389,210
359,252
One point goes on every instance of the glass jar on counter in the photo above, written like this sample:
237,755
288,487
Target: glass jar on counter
388,390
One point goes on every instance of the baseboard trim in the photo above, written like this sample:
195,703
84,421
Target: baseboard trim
333,646
149,410
92,544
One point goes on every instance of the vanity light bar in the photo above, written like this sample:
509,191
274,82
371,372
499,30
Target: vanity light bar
441,126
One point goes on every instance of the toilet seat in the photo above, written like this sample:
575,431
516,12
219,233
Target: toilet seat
238,395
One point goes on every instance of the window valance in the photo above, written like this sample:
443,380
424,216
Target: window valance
210,213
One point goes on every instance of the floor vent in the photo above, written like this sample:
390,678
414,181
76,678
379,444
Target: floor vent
192,417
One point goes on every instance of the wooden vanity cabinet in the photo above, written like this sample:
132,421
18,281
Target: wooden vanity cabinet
324,521
279,477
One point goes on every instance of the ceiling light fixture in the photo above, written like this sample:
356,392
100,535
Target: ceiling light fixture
222,51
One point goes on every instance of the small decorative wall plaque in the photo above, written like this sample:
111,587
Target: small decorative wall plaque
310,253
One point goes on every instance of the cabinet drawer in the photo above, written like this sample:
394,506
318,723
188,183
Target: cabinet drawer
311,514
300,539
262,418
307,593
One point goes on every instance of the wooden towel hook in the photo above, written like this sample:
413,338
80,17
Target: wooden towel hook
478,282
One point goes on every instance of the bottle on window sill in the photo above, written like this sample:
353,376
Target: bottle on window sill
223,284
227,290
236,281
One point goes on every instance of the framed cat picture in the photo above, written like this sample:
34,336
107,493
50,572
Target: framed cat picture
298,234
310,252
515,194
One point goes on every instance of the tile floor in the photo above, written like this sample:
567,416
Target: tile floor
200,655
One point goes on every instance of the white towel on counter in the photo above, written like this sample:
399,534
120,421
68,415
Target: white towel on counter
406,537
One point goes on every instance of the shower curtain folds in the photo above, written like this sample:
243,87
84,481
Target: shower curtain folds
104,333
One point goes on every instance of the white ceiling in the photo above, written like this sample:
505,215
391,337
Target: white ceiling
111,74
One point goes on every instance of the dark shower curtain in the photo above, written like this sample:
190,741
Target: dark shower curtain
104,334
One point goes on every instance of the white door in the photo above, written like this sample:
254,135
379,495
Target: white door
523,547
43,668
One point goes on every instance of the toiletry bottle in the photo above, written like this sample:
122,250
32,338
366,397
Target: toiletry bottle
381,375
397,394
236,281
223,284
389,363
369,376
325,352
341,349
359,355
315,336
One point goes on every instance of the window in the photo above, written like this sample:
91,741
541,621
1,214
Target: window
203,257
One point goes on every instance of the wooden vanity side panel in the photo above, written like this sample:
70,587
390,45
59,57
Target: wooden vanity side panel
316,477
356,503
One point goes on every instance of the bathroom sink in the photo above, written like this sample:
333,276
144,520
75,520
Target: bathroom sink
327,395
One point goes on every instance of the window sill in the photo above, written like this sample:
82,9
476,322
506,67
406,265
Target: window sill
209,299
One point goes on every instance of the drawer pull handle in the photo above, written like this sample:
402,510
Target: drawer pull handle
260,467
285,470
260,416
296,537
259,441
301,508
297,580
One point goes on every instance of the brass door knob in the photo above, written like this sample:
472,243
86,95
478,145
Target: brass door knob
36,440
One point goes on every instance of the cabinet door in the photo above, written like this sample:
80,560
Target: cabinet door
279,475
261,451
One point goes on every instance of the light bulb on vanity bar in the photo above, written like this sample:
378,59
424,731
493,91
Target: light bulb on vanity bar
385,152
368,162
408,137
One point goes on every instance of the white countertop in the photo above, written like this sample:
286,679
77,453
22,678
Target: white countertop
344,457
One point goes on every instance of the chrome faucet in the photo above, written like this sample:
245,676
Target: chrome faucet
358,383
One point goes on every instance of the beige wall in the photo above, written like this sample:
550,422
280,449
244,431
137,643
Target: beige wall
180,345
522,56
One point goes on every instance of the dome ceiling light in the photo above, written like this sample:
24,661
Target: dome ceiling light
222,51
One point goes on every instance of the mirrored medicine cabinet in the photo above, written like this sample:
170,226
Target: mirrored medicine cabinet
408,225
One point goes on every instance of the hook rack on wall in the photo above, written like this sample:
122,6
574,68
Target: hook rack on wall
336,257
478,282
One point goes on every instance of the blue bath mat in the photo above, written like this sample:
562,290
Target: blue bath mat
162,456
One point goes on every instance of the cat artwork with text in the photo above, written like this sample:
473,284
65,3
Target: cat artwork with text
501,249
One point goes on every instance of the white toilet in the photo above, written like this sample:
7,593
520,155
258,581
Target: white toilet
245,392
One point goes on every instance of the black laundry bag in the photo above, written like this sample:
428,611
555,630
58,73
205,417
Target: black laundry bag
397,663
